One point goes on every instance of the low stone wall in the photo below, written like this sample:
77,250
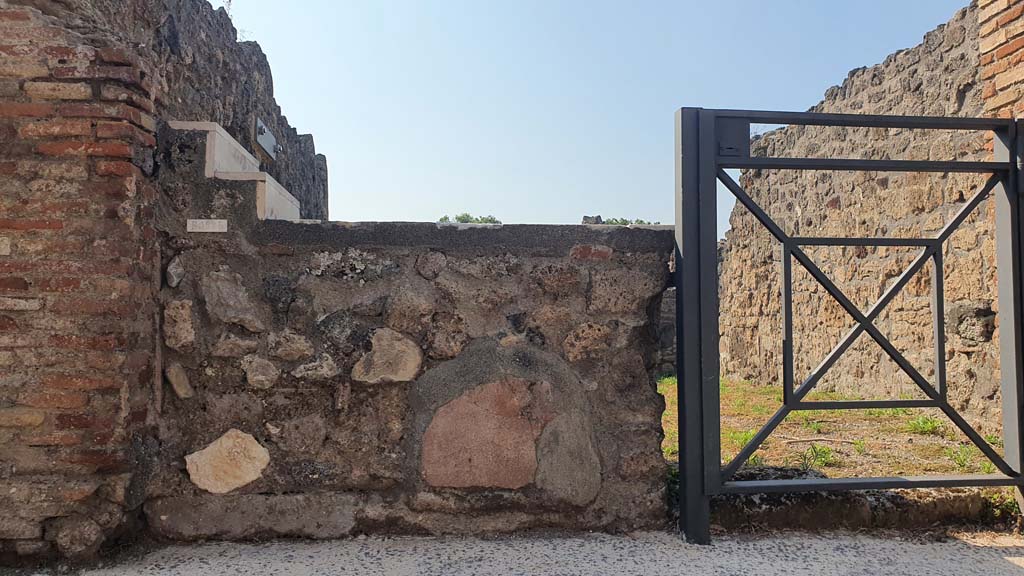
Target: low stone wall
325,379
297,379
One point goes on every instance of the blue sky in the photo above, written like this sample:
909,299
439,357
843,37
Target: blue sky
541,111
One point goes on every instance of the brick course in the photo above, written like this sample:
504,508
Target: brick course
75,292
1001,40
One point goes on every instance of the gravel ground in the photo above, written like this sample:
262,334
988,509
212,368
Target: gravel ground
648,553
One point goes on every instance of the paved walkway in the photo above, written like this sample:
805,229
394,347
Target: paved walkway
647,554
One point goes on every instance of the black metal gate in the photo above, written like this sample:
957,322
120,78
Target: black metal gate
710,141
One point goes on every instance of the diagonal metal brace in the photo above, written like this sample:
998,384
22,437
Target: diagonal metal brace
864,323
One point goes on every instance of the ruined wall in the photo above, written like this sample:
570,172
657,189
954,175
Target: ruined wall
79,272
940,77
402,377
203,73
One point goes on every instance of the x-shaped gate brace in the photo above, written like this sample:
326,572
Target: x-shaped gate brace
708,142
793,399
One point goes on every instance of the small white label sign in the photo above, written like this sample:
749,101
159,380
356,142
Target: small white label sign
207,225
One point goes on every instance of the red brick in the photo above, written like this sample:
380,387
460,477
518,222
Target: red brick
90,307
1010,15
1010,77
993,69
95,110
54,399
106,266
121,111
57,284
58,90
19,50
11,224
84,148
11,15
117,56
591,252
119,93
100,460
28,110
78,53
68,382
98,437
118,189
13,284
84,421
115,168
125,131
62,438
125,74
62,169
21,417
55,129
34,35
77,493
1010,47
138,416
121,287
46,208
8,324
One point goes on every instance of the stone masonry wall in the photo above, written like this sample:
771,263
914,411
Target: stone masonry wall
79,271
283,378
940,77
205,74
329,379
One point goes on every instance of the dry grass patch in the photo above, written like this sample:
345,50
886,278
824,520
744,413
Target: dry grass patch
841,443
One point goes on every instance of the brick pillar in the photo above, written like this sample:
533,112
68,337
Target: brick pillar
1001,45
78,273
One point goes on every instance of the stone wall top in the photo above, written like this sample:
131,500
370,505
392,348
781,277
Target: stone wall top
590,242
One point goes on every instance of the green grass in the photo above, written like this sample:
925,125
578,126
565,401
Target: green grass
812,425
887,412
994,439
926,425
745,406
818,456
670,418
740,438
1004,505
962,456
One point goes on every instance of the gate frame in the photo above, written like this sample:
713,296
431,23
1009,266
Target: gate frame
710,141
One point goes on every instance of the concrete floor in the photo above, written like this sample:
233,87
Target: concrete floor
648,554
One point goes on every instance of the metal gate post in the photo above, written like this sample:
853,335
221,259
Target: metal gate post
1009,218
694,508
